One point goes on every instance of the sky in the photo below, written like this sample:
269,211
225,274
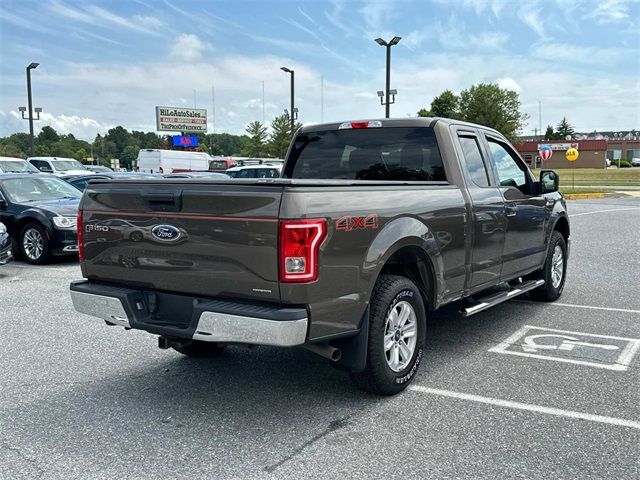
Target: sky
108,63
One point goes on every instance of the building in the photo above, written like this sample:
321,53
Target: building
593,153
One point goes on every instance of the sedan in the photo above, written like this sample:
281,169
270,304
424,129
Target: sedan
6,255
39,212
81,181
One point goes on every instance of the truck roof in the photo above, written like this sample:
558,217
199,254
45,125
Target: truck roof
396,122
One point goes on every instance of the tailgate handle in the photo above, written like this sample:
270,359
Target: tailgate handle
163,202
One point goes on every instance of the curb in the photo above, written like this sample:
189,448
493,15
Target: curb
584,196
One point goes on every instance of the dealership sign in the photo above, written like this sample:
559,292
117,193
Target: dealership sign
558,146
174,119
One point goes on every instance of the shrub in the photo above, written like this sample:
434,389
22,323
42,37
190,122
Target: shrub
623,163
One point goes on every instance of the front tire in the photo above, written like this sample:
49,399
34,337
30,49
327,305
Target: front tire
200,349
34,245
396,336
554,271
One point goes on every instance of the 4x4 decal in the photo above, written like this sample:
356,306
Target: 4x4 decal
347,223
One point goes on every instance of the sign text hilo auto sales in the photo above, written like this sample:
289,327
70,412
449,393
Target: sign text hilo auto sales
176,119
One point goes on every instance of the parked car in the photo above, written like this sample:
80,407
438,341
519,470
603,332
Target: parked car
635,162
6,254
374,225
222,164
58,165
172,161
40,213
201,175
255,171
98,169
81,181
16,165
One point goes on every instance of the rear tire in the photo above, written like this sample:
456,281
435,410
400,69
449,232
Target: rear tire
396,336
554,271
200,349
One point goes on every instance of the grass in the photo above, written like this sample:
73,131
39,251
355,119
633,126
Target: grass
568,190
598,176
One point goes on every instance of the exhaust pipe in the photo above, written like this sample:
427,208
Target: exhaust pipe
324,350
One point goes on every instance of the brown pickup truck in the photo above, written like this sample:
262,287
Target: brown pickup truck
373,225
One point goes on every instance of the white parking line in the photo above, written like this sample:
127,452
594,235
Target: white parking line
604,211
528,407
590,307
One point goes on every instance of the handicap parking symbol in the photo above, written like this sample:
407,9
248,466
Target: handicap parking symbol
600,351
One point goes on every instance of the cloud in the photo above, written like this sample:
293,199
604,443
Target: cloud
610,11
188,48
509,84
530,16
578,55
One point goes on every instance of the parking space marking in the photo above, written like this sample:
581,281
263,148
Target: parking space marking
524,343
604,211
528,407
589,307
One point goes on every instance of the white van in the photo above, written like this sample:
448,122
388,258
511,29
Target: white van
172,161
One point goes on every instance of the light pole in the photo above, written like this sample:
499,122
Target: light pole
30,67
293,109
388,45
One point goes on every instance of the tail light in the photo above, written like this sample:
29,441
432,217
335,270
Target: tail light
80,229
300,242
365,124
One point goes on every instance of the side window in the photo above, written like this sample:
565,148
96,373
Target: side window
510,172
38,163
473,160
246,173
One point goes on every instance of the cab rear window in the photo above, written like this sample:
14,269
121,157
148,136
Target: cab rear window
392,154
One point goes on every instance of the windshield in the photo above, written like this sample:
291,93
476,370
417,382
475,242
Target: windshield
64,165
16,166
218,165
392,153
29,189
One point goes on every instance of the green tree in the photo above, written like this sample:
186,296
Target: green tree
48,136
423,112
445,105
280,135
550,134
226,144
488,104
564,130
255,144
128,156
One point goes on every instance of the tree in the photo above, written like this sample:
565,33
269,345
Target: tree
129,154
564,130
550,134
255,143
48,135
280,135
423,112
445,105
488,104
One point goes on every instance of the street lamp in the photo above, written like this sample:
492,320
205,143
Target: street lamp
294,110
388,45
22,110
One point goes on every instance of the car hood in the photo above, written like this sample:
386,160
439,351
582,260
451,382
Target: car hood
66,207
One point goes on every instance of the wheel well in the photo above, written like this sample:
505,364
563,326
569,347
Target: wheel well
562,226
413,262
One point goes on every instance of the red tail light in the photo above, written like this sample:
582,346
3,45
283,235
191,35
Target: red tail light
300,242
80,228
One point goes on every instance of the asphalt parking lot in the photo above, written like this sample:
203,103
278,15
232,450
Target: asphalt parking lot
524,390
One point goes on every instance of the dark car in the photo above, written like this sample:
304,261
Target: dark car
39,211
6,255
81,181
202,175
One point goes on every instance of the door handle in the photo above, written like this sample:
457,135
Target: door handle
511,209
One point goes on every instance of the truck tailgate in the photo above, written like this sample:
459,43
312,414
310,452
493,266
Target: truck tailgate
212,239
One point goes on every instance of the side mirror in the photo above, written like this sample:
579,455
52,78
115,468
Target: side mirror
3,204
549,181
45,169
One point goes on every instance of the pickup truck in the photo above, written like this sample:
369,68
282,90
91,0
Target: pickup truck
374,225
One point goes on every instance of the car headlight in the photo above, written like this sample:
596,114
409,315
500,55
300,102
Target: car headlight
3,229
65,222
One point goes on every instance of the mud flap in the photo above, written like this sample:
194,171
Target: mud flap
354,349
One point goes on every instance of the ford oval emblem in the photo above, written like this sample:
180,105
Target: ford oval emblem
166,233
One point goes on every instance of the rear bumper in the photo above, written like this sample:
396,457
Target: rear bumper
180,316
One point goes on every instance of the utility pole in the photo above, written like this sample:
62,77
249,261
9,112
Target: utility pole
322,98
22,110
387,102
263,102
540,117
294,112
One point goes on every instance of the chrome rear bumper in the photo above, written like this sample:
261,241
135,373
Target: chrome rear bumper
209,321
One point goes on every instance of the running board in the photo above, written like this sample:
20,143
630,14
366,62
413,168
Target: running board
496,298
